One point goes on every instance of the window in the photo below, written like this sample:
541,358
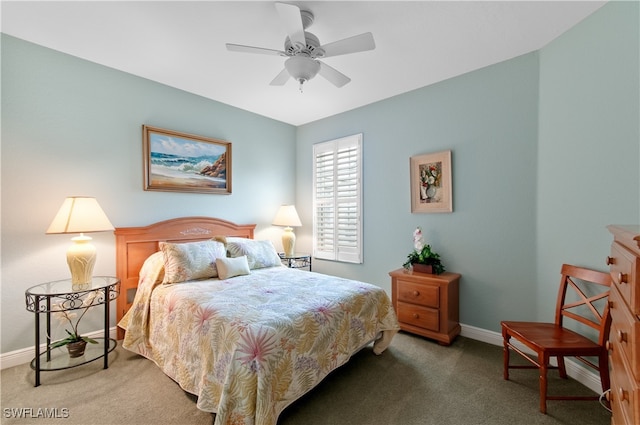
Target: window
337,199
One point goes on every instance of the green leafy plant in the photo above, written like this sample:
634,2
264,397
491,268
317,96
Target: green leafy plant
66,316
422,254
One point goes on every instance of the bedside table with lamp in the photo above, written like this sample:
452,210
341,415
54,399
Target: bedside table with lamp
81,292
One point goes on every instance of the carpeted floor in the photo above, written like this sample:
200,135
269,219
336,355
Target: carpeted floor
415,382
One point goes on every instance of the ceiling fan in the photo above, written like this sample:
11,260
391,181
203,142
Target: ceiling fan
303,49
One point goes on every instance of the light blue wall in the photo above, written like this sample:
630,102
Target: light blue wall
589,144
488,119
545,155
72,127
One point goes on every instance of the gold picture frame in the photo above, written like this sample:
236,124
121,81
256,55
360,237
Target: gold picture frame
431,188
181,162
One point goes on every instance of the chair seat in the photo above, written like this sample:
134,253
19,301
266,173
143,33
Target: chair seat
551,338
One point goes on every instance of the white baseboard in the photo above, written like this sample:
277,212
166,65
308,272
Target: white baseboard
25,355
585,376
576,371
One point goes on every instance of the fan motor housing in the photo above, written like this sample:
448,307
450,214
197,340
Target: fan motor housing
311,49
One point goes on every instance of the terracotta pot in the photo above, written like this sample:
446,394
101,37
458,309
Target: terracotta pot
76,349
422,268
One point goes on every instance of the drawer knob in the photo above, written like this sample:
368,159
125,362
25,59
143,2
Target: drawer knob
622,336
609,347
416,293
416,316
622,278
610,261
622,394
611,305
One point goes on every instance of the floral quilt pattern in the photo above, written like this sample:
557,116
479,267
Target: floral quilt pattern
250,345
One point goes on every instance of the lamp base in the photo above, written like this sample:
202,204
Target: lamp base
288,242
81,257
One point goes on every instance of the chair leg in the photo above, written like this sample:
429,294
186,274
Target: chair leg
561,367
603,366
543,384
505,356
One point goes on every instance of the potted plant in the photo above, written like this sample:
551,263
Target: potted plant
75,342
422,259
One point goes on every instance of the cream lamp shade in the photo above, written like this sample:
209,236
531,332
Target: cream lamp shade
80,214
288,216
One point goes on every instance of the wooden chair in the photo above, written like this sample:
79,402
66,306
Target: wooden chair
548,340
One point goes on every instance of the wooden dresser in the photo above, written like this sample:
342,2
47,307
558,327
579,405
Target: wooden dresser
624,301
427,304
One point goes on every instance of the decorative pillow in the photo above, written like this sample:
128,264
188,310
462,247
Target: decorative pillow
153,267
231,267
190,260
259,253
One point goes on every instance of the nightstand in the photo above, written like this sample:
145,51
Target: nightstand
296,261
427,304
40,300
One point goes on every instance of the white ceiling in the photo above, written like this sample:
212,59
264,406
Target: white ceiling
182,44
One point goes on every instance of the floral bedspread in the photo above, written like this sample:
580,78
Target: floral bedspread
250,345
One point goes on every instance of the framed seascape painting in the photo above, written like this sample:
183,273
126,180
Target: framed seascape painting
431,183
180,162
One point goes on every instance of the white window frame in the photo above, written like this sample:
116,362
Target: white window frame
337,234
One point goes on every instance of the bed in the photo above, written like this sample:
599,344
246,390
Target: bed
250,340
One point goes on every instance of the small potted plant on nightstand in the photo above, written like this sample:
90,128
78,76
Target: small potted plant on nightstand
422,259
75,342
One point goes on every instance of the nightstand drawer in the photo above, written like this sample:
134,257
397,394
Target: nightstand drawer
426,318
415,293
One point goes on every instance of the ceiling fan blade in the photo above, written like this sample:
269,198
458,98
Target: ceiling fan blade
292,20
281,78
251,49
334,76
357,43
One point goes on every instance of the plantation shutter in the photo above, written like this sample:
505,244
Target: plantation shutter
337,195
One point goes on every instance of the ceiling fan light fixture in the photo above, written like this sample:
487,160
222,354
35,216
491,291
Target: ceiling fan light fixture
302,68
303,49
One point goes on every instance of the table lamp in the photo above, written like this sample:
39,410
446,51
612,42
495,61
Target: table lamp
288,216
80,214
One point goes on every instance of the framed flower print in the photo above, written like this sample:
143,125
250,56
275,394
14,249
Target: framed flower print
431,190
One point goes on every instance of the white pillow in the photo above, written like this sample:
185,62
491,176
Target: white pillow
231,267
190,260
259,253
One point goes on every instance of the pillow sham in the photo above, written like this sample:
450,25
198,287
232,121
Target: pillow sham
190,260
153,267
259,253
232,267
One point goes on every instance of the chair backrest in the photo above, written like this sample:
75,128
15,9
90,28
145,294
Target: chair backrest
582,306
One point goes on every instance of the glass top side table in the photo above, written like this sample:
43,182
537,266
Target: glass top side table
61,295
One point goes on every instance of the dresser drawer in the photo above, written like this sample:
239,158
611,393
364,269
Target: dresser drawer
624,391
423,317
625,331
416,293
623,266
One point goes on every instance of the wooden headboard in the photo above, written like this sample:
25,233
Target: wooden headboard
135,244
